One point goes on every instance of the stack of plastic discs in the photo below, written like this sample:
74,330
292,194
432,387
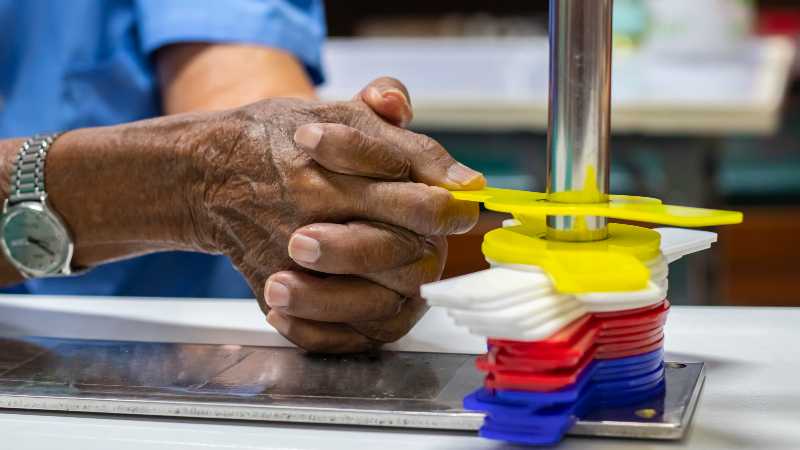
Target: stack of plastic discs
553,357
535,391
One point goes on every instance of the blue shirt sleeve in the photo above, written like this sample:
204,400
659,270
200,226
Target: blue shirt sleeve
297,26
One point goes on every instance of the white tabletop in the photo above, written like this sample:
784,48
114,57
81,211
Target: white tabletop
501,84
751,399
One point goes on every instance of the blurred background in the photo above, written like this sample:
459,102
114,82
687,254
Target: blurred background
706,113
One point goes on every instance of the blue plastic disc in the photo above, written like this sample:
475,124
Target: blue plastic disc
544,417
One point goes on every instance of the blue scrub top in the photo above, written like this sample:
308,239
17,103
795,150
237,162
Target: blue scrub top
82,63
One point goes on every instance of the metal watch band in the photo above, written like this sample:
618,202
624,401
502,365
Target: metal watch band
27,176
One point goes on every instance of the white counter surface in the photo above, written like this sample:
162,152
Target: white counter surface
751,399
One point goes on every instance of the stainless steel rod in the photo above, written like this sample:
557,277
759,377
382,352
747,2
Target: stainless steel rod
580,111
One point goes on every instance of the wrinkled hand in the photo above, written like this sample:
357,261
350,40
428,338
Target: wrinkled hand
340,210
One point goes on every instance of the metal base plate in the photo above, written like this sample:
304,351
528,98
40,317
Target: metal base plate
390,389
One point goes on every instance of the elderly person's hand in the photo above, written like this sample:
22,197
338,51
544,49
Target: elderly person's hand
358,284
360,204
334,214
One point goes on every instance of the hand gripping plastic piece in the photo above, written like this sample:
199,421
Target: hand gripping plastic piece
609,265
543,418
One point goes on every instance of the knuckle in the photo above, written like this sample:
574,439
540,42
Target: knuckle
468,213
312,192
387,306
427,144
334,112
366,147
451,216
418,274
437,246
433,151
393,307
408,242
426,270
402,169
250,117
433,156
434,211
358,115
382,158
392,162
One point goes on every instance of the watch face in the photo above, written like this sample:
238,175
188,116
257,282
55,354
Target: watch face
34,240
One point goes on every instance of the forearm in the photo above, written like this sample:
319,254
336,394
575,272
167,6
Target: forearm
117,188
123,190
308,199
225,76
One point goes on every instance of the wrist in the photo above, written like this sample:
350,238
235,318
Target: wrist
119,190
8,149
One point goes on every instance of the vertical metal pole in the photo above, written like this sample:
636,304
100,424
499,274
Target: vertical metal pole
580,111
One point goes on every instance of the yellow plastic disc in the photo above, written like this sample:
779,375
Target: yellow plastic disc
610,265
643,209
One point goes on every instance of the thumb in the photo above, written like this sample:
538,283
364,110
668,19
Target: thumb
389,99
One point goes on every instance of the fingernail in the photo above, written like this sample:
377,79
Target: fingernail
304,249
308,136
462,175
385,94
278,322
276,295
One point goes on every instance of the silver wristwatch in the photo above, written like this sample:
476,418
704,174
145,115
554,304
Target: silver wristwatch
33,237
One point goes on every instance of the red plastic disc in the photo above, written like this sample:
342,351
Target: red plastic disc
579,336
558,361
499,360
554,379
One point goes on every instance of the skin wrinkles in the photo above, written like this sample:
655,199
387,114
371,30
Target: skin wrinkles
315,334
426,270
292,190
363,247
235,182
335,152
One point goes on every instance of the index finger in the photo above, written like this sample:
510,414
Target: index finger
429,162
